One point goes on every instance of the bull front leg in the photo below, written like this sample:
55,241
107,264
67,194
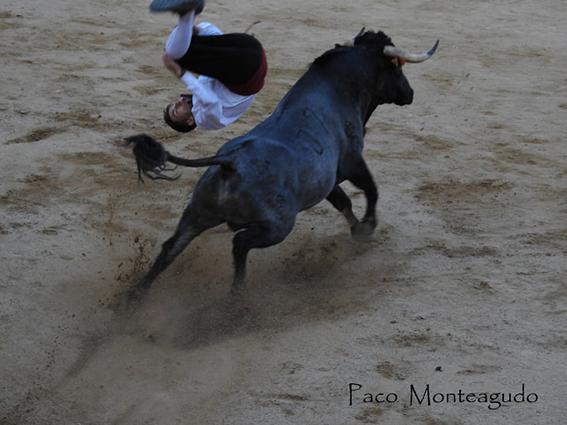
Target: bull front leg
359,175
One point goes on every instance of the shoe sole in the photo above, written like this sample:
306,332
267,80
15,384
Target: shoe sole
172,5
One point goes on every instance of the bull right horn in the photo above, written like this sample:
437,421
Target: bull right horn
396,52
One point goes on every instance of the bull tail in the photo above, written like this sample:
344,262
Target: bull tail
221,160
152,158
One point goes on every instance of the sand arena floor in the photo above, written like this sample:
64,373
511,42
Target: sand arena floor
463,285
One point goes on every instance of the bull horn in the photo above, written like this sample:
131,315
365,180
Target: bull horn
396,52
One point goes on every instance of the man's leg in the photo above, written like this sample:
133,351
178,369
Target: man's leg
179,40
230,58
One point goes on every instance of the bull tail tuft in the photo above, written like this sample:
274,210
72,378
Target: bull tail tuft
152,158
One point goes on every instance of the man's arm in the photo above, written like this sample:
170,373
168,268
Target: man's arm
207,108
203,93
172,65
192,83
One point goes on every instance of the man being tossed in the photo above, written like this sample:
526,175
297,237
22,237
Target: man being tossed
231,68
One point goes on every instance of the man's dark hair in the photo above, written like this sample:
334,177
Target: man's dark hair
181,127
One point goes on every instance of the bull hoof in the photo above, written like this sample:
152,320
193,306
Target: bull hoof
135,294
363,230
126,302
237,290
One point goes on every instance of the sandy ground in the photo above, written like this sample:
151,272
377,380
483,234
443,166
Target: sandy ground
462,287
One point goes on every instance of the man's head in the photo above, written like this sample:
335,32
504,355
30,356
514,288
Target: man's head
179,115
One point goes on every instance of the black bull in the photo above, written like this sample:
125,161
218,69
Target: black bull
258,183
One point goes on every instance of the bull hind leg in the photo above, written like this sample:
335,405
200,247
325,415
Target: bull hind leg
258,235
190,226
359,175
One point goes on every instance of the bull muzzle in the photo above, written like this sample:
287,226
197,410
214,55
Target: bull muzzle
406,99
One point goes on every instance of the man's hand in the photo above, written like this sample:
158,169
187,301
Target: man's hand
172,65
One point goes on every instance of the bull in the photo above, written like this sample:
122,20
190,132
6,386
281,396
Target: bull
257,183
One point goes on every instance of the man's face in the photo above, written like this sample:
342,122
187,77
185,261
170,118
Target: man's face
180,111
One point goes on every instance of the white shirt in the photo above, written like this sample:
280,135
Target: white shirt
214,105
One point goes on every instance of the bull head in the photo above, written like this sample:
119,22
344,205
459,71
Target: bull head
391,85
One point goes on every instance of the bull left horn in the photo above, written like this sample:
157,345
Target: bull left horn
396,52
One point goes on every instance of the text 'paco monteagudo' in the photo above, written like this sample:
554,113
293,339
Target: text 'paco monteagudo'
425,396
